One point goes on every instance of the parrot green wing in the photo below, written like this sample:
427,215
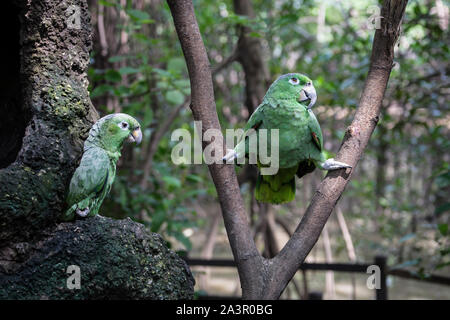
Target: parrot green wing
316,132
89,182
255,119
308,166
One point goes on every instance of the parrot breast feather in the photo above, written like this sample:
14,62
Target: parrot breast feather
90,178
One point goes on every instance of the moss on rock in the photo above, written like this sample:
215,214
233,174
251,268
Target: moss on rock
118,259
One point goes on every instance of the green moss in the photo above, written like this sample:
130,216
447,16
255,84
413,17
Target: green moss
118,260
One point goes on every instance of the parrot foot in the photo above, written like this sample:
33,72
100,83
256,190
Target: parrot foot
332,164
231,155
82,213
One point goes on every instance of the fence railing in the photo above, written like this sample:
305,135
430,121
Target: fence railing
380,261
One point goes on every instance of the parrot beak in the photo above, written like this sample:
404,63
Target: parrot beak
303,96
136,136
308,93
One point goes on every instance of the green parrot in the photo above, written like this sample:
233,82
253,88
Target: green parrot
285,107
93,178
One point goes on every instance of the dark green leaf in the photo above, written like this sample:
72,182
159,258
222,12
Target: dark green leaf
113,76
443,228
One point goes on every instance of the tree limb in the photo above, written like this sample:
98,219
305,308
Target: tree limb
355,141
262,278
203,106
225,63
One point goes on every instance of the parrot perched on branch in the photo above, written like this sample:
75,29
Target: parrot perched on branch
287,107
93,178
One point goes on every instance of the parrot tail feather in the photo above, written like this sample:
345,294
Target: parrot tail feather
276,189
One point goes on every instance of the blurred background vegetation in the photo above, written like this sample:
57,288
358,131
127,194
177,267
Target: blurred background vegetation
398,201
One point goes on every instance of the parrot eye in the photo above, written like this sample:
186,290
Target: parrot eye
293,81
123,125
308,83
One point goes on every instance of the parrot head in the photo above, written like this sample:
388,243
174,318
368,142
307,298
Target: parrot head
294,86
112,130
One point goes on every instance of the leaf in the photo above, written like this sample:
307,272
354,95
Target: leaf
157,220
121,91
141,37
106,3
113,76
255,34
443,208
442,265
183,85
139,16
128,70
148,117
443,180
174,97
147,21
176,65
117,58
443,229
184,240
194,178
172,181
100,90
162,72
123,197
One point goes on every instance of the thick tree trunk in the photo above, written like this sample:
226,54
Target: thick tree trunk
54,104
48,116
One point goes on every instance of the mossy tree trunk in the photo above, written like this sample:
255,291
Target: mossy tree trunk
46,116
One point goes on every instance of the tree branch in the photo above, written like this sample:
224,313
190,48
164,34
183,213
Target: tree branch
250,56
225,63
262,278
203,106
355,141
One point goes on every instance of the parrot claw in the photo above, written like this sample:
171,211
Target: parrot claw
82,213
332,164
231,155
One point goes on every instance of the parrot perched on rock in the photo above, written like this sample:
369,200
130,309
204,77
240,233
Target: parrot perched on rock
93,178
287,107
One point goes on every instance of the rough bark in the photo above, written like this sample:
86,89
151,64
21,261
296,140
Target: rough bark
55,103
117,260
50,56
261,278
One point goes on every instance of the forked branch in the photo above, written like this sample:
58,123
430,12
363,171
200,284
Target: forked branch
261,278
